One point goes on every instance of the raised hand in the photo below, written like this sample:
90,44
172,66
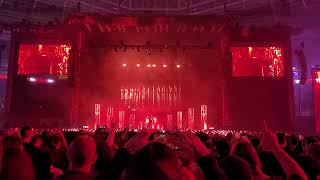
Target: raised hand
138,141
110,139
269,140
192,145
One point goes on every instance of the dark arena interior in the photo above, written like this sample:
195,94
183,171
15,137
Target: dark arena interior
162,89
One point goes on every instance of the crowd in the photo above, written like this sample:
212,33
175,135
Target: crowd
157,155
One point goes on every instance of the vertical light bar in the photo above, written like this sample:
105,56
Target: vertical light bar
190,118
169,121
121,119
132,119
179,119
204,116
109,116
97,113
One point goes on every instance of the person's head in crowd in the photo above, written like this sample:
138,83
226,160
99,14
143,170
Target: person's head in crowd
236,168
82,154
56,143
17,165
100,136
293,139
26,133
12,143
313,150
223,147
158,162
37,141
45,137
229,136
205,139
255,142
309,165
246,151
282,139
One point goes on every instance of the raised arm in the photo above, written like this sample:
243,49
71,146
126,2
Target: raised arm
289,165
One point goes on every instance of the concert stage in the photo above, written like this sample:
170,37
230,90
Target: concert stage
151,72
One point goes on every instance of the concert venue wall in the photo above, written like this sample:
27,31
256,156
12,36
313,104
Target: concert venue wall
184,72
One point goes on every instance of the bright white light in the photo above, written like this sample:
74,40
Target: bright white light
297,81
318,80
153,65
124,65
138,65
149,65
178,66
44,55
164,65
32,79
50,80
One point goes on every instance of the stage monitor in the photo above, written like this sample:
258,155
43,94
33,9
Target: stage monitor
43,59
257,61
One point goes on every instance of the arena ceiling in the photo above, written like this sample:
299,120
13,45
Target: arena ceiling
43,11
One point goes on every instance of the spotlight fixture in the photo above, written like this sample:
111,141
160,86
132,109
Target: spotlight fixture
138,65
164,65
178,66
149,65
124,65
50,81
153,65
32,79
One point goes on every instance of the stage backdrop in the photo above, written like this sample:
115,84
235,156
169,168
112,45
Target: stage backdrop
156,75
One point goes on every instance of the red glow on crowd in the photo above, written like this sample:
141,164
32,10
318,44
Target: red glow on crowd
258,61
43,59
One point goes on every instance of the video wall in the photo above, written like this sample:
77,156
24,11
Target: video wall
257,61
43,59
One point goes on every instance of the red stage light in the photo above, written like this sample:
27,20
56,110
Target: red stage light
153,65
124,65
178,66
149,65
138,65
164,65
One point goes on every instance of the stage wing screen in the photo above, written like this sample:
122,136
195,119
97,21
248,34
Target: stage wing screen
257,61
43,59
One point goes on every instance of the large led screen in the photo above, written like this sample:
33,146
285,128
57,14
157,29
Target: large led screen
43,59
